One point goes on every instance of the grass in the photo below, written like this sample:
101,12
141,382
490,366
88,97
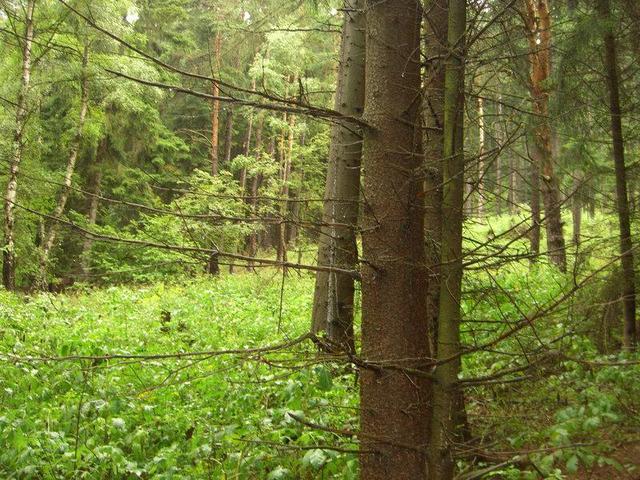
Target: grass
197,418
227,416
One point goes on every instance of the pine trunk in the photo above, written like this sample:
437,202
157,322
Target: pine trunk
538,23
436,18
213,266
481,152
228,137
215,108
334,292
448,402
622,201
394,388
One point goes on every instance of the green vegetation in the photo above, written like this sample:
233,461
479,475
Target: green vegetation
327,239
227,416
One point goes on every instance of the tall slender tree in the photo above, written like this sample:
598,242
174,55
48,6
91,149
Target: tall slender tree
446,405
334,292
11,192
436,49
622,199
537,18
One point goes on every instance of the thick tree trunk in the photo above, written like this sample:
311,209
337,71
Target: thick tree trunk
394,392
622,203
446,418
538,25
95,188
334,292
9,251
436,18
50,236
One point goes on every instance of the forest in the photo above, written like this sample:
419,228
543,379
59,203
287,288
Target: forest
319,239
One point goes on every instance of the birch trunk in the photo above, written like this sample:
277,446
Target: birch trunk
9,251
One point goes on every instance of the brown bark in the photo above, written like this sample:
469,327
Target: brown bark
393,402
622,201
538,28
501,137
334,292
213,267
252,242
436,18
215,108
534,166
9,254
228,136
481,165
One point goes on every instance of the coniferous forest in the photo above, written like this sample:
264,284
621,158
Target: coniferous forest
319,239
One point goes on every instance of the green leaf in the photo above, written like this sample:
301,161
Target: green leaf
278,473
316,458
572,464
325,382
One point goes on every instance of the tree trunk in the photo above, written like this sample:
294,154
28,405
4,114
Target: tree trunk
622,203
252,242
334,292
228,136
215,108
50,236
481,153
501,137
538,24
395,346
446,418
247,146
535,159
511,194
286,151
213,266
95,188
576,210
436,18
9,253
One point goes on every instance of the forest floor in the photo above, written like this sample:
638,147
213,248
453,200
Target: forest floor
67,412
626,454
